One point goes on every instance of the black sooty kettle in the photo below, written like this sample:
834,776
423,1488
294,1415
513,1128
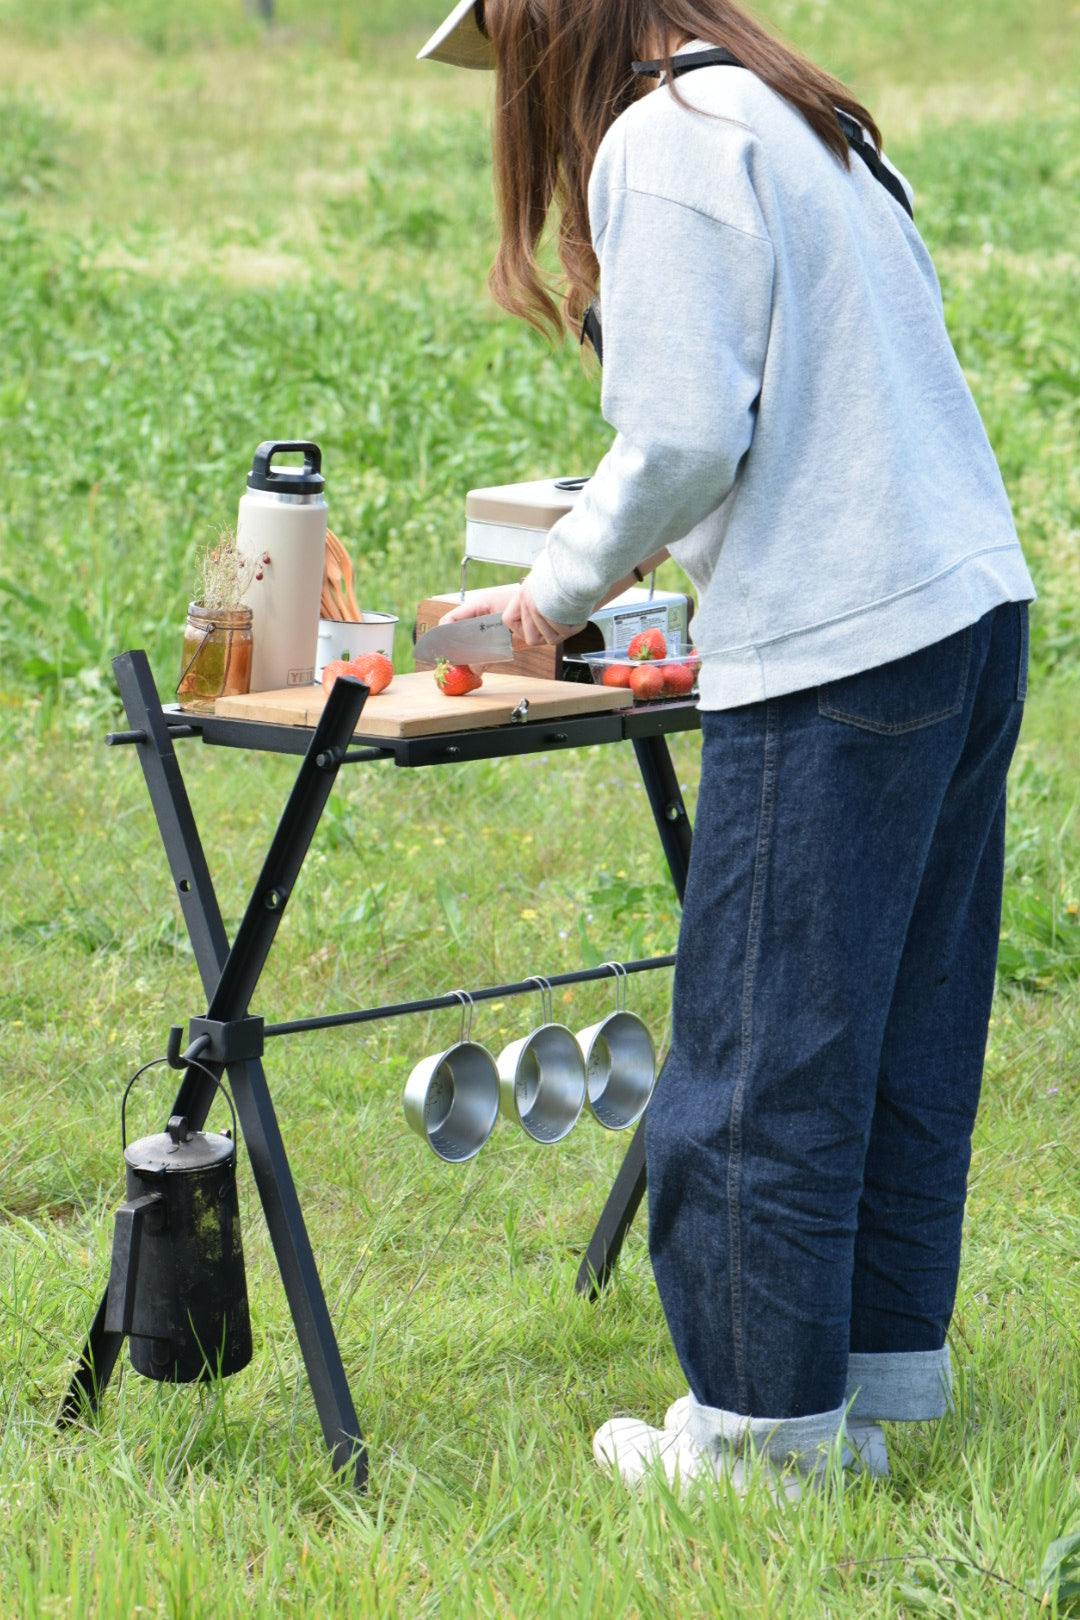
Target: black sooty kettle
176,1284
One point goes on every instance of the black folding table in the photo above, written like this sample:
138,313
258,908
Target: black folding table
228,1038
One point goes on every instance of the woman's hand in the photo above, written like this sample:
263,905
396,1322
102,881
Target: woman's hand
519,613
531,625
478,604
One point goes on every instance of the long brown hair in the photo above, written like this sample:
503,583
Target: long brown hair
563,77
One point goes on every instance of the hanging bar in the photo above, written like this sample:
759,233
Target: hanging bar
367,1015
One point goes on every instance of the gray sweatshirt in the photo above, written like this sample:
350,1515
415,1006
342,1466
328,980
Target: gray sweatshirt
790,417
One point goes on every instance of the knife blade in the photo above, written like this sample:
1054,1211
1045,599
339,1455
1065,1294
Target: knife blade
484,640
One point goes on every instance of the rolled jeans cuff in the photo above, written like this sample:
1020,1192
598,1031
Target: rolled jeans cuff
899,1386
804,1441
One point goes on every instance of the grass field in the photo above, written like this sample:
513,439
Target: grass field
212,234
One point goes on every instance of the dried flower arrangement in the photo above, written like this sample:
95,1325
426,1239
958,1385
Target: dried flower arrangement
216,659
225,574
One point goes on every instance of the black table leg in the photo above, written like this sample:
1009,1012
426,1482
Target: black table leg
229,979
628,1189
666,803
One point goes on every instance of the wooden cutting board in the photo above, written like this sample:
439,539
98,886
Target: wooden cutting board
413,706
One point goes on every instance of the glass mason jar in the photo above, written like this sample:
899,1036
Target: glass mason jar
216,660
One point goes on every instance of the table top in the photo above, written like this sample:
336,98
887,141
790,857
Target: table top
495,742
413,706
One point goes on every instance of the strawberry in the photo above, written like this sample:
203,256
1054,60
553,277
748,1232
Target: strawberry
647,644
678,679
617,675
374,669
336,667
455,679
647,682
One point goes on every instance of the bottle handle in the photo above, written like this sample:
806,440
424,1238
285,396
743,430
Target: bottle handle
260,463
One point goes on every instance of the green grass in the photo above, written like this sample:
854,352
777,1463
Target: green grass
208,235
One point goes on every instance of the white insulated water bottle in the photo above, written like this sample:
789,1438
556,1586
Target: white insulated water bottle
281,530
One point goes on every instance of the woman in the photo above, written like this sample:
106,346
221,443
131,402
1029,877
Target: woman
793,426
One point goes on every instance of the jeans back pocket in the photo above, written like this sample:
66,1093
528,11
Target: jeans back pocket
905,695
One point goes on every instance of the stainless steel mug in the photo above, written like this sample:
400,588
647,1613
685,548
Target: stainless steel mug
452,1099
542,1078
620,1062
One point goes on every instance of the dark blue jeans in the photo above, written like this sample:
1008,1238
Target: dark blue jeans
809,1140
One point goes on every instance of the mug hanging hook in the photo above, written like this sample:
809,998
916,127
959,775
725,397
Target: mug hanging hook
546,1009
621,978
467,1004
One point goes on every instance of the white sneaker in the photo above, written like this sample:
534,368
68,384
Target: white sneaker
633,1449
678,1413
630,1448
868,1451
865,1452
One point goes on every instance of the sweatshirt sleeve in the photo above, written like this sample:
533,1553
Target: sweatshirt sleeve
687,303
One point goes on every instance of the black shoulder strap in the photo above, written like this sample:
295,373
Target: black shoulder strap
857,141
871,157
592,330
686,63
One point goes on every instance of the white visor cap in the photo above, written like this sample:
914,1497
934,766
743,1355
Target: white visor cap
459,40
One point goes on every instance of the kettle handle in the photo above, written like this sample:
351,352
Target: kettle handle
195,1064
120,1298
260,462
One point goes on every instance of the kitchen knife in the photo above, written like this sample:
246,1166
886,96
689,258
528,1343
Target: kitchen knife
485,640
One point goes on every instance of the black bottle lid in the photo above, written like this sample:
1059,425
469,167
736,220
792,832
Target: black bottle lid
305,480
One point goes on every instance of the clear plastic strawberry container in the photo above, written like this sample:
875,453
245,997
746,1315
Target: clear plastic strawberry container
675,676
